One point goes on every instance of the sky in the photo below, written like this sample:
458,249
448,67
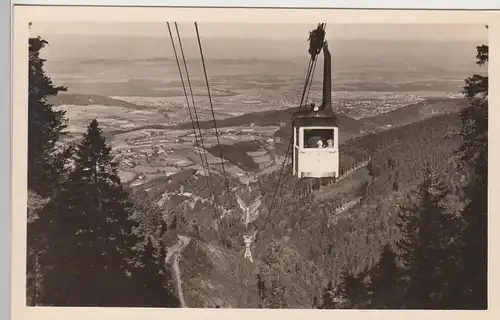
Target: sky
434,32
130,41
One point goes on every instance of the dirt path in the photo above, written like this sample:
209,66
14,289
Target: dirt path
174,252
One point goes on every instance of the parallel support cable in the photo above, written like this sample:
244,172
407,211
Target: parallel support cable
209,180
308,75
287,174
211,188
193,101
213,116
308,83
186,96
307,97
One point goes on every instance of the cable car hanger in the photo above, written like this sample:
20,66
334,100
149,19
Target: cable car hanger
315,130
324,112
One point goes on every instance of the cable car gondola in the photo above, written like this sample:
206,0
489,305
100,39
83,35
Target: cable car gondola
315,130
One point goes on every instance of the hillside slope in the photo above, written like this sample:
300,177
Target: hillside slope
302,243
277,117
212,275
418,112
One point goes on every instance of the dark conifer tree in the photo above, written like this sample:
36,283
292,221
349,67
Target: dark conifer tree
385,280
46,159
151,282
33,250
426,244
350,290
476,86
261,286
149,219
469,289
45,125
90,257
88,231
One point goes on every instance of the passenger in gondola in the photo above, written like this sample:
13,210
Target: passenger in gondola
312,142
329,143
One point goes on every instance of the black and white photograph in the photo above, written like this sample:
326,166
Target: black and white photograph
318,165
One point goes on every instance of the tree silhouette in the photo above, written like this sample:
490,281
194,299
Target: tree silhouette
33,272
477,85
46,160
151,280
425,245
261,286
385,280
90,257
45,125
350,290
469,291
150,223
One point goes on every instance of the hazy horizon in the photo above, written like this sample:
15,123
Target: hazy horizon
427,32
131,59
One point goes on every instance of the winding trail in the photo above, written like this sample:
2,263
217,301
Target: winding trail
174,252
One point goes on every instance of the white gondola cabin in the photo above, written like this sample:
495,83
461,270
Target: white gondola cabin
316,147
316,134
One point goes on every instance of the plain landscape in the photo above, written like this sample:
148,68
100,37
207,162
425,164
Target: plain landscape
140,104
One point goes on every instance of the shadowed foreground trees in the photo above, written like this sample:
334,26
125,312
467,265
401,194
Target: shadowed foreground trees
429,236
471,291
45,126
90,257
46,159
385,279
84,248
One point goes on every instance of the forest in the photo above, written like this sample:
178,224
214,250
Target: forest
416,240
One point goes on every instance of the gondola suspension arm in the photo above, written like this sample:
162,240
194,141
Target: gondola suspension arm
316,43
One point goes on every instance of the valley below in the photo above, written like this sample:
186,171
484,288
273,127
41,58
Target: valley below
156,139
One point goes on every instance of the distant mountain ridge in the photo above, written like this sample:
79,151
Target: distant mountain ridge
277,117
91,99
194,60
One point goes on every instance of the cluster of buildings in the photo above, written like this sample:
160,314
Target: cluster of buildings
372,107
154,149
131,157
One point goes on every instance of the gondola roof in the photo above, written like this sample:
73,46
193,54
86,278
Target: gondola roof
312,117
